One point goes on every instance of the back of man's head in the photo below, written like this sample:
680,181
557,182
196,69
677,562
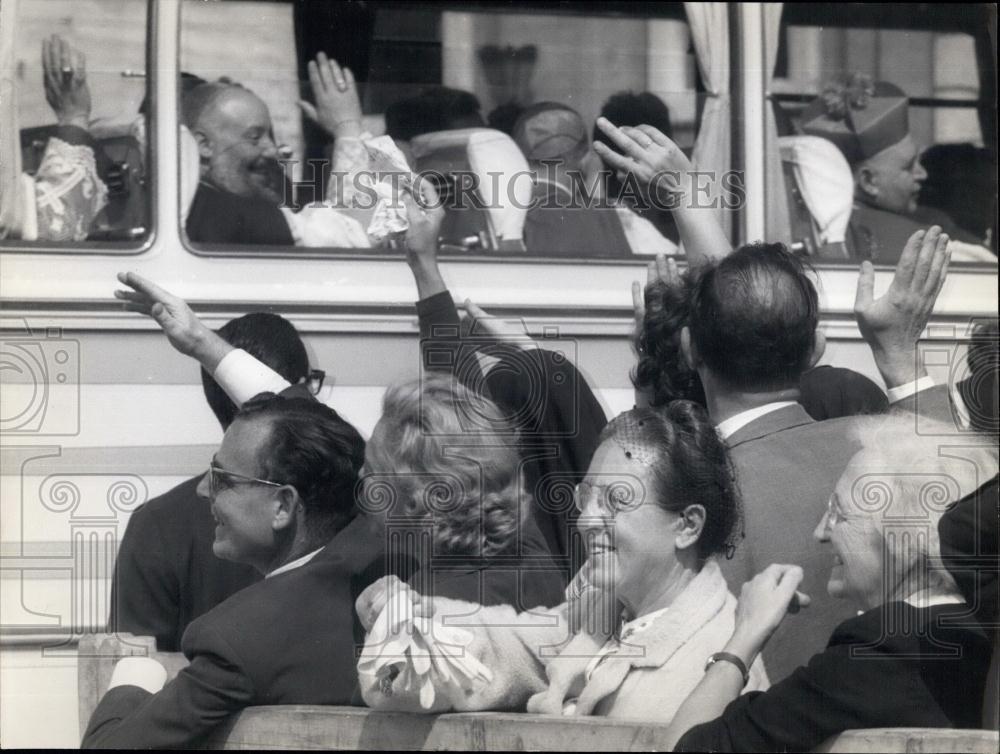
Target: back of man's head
631,109
754,317
312,448
437,108
270,339
551,131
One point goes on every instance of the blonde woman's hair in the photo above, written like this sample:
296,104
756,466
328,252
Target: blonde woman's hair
443,453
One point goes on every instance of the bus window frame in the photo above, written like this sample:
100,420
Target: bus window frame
118,248
873,11
637,10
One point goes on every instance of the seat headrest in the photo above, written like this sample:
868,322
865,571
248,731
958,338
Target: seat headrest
825,181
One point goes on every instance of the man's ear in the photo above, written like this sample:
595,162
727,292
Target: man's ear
691,522
286,506
866,179
688,349
205,149
819,347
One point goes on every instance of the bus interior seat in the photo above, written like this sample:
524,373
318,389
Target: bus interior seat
820,195
470,224
190,171
120,165
494,153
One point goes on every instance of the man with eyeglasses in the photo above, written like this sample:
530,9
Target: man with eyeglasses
281,490
166,574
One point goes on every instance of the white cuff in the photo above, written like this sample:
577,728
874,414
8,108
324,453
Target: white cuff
896,394
243,377
144,672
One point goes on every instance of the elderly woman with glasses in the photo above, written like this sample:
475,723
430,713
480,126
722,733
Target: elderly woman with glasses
914,657
657,507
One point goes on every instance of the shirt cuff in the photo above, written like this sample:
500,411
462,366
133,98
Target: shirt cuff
243,377
896,394
144,672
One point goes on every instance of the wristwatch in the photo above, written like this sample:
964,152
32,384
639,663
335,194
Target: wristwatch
731,658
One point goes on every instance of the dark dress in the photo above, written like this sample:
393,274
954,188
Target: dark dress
526,575
894,666
968,533
166,574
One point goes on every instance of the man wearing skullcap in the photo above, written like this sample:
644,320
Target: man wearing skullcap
562,221
869,122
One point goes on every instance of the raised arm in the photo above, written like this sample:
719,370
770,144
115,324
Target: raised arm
764,602
421,239
68,192
892,324
64,75
237,372
663,170
338,112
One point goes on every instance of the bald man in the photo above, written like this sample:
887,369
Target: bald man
869,122
241,183
243,196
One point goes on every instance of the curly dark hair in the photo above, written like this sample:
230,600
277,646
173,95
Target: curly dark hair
661,368
691,467
312,448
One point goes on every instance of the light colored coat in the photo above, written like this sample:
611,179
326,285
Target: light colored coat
648,677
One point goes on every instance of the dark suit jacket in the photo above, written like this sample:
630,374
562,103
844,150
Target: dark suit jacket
166,574
553,229
787,466
969,550
918,668
289,639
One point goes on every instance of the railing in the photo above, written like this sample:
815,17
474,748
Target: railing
350,728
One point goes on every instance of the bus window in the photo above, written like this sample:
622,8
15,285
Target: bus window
907,165
494,102
77,178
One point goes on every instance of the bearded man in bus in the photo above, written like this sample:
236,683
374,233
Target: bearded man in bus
243,195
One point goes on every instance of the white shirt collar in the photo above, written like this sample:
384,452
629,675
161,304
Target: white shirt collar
925,599
730,426
292,565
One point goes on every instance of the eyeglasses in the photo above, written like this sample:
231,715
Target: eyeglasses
610,498
833,514
314,382
214,472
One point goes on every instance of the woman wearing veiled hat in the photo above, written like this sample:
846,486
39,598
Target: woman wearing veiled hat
658,506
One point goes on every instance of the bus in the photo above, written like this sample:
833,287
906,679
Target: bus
99,414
